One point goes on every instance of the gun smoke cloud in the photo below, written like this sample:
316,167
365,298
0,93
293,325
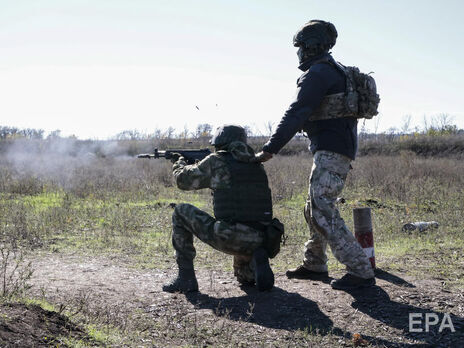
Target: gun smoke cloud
58,161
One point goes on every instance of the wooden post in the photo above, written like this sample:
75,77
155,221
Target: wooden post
363,232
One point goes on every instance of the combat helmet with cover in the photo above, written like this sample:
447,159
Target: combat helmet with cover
315,37
228,133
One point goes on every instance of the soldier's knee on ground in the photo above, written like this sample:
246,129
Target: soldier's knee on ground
244,275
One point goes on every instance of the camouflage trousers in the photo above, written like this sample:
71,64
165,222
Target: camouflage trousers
327,180
235,239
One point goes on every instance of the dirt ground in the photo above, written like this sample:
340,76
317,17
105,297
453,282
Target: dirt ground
222,313
24,325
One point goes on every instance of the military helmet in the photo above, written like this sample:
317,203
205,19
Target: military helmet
227,134
316,33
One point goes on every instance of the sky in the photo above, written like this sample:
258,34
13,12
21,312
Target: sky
94,68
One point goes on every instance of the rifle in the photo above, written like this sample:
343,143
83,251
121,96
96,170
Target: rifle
191,156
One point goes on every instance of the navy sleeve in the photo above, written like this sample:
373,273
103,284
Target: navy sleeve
311,89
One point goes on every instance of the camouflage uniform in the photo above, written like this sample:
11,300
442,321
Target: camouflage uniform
327,179
232,238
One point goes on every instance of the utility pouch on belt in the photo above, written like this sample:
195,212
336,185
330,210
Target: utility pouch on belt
274,235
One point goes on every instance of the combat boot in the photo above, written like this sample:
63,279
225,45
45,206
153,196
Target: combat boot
301,272
264,277
186,281
350,282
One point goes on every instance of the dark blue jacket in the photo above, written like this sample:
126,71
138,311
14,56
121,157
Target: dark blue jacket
337,135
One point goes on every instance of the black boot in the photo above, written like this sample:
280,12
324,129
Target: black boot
184,282
349,282
264,277
301,272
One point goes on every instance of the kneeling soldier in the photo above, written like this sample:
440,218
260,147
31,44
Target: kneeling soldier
242,209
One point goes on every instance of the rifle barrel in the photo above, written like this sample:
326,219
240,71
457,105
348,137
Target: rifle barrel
145,155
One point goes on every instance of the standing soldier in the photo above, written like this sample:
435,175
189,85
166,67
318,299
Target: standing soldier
242,208
334,146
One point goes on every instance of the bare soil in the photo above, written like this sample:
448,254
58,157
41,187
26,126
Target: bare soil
294,313
24,325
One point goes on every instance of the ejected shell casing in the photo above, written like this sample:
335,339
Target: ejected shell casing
363,231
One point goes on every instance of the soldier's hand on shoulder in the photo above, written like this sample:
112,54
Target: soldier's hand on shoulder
262,156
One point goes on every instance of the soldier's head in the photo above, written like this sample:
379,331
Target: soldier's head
314,38
226,134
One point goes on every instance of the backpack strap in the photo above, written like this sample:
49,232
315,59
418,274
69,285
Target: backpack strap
349,82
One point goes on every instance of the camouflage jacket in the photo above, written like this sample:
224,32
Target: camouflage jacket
212,171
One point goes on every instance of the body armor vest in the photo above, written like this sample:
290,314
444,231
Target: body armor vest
248,198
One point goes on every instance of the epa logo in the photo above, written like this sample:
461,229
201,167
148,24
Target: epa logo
417,322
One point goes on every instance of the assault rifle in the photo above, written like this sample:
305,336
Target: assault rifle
191,156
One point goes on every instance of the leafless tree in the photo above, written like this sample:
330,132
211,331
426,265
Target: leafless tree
269,126
169,133
405,127
203,131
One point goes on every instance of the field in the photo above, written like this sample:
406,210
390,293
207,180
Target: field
86,247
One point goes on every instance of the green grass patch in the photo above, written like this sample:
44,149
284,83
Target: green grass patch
43,201
419,255
40,302
106,335
297,201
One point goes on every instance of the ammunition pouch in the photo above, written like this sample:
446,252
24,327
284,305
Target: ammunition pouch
273,236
